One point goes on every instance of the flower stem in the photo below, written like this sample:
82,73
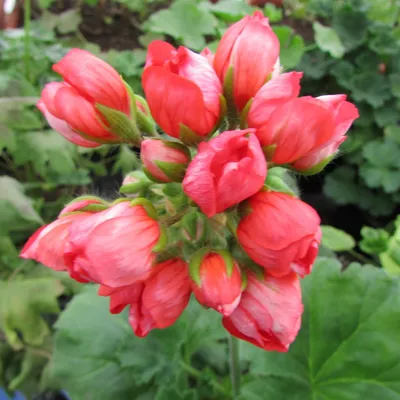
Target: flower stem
198,375
234,365
27,37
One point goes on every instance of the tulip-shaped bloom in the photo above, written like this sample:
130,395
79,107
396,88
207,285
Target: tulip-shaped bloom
280,233
217,280
47,244
246,56
269,312
80,107
156,302
164,161
209,55
226,170
298,130
344,113
182,90
116,247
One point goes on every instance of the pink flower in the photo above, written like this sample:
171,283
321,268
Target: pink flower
181,89
70,107
269,313
344,114
94,79
226,170
114,247
218,282
48,243
300,131
208,54
251,49
164,161
280,233
155,303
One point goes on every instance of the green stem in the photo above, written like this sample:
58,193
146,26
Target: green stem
198,375
361,257
310,47
234,365
27,37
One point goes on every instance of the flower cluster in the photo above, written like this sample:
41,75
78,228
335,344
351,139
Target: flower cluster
201,216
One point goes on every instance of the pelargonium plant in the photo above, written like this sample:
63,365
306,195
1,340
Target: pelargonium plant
201,216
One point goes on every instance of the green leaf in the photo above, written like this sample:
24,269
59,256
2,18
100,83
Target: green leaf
328,40
47,150
184,21
336,239
348,346
92,346
372,88
341,186
389,114
393,132
382,153
374,241
315,64
292,46
351,26
16,209
395,84
380,177
230,10
68,21
344,71
385,11
22,303
126,162
273,13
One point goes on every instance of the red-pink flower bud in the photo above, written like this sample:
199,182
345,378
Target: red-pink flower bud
182,90
164,161
156,302
300,131
92,106
269,312
250,49
280,233
226,170
116,247
209,55
344,113
47,244
217,280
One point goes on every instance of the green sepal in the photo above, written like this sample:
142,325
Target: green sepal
168,253
231,112
194,226
316,169
223,109
151,176
174,171
269,151
145,122
133,188
88,197
244,113
98,140
245,279
162,240
195,264
277,184
188,137
95,208
228,260
132,100
147,205
256,269
120,124
120,200
178,146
